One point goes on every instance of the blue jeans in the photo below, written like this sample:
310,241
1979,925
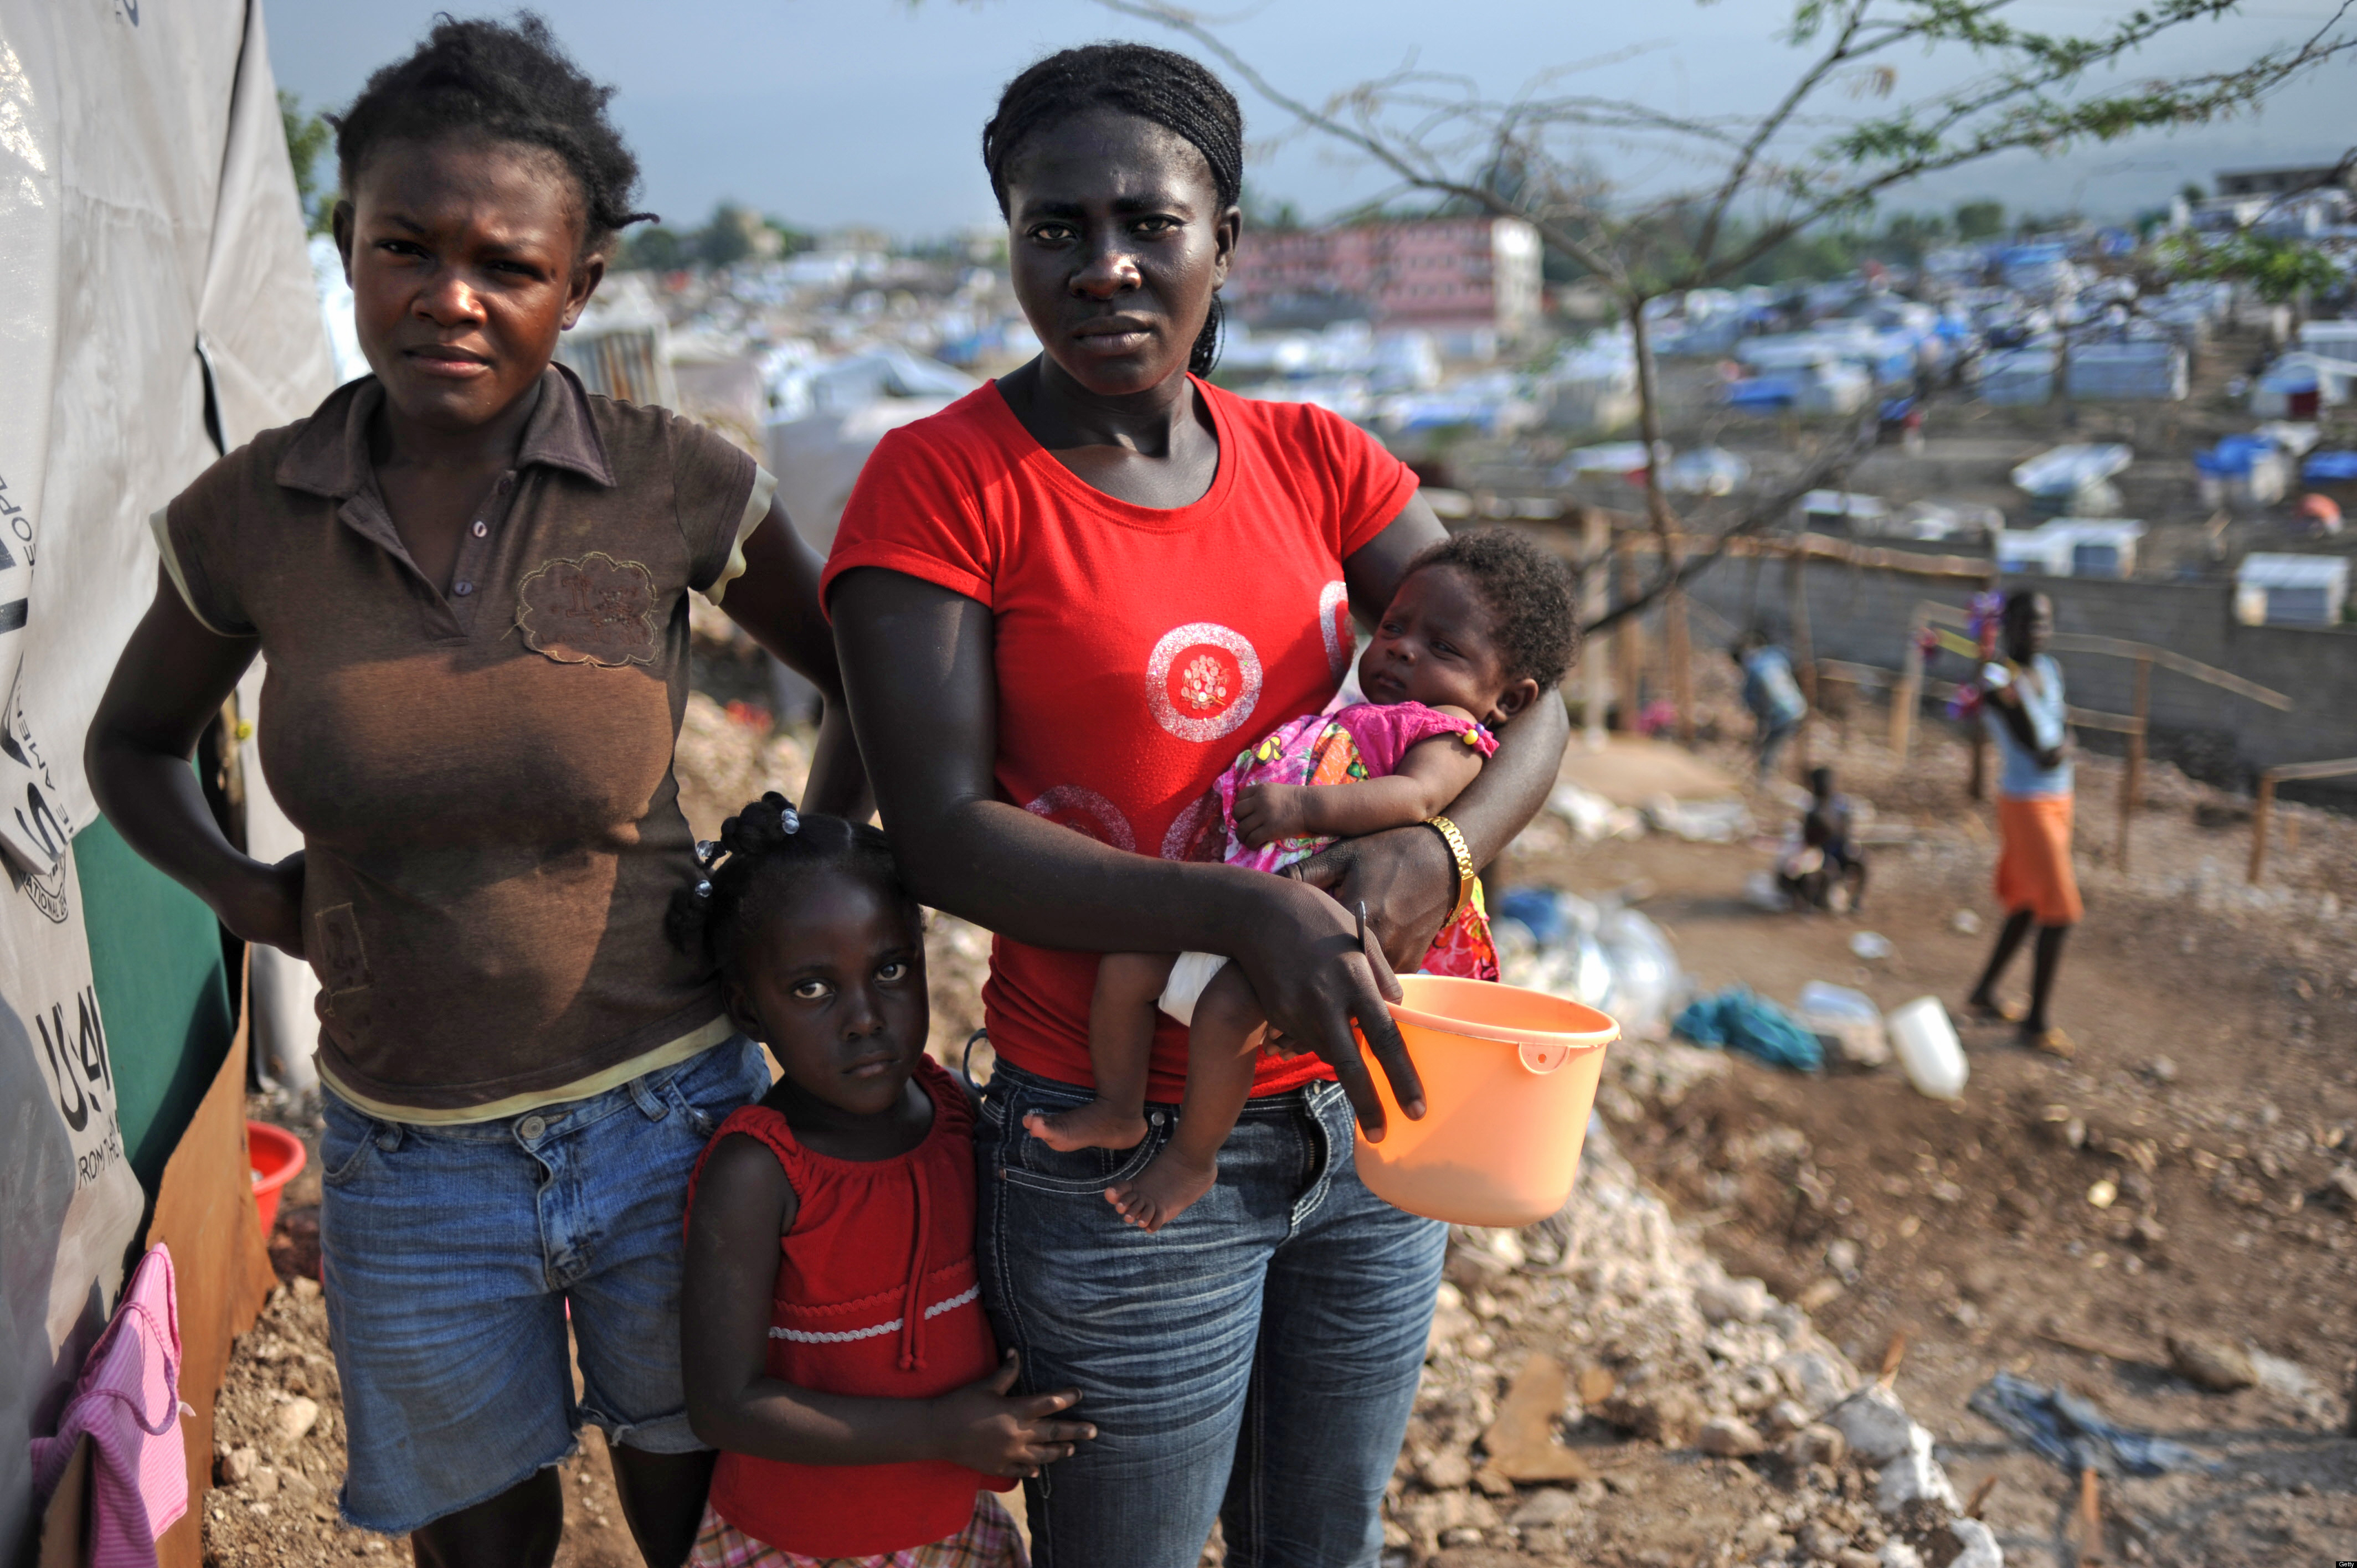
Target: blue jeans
449,1256
1254,1362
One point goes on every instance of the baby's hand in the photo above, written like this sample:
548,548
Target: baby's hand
1267,812
986,1429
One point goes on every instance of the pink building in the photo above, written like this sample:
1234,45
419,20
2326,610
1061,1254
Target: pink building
1443,275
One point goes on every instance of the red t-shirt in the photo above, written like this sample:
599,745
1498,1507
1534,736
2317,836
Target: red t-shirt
1138,649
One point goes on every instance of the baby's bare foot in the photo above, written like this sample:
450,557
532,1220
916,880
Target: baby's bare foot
1096,1125
1163,1189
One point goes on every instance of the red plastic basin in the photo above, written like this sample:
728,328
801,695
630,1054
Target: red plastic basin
275,1155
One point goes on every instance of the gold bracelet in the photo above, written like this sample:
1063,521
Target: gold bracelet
1463,856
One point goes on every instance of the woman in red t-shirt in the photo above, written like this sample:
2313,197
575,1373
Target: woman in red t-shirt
1065,603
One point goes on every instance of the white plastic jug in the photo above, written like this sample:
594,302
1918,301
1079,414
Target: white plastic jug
1927,1049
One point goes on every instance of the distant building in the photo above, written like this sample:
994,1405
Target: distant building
1463,279
2279,182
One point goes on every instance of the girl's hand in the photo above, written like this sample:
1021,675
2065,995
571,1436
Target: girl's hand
1300,950
986,1428
266,905
1267,812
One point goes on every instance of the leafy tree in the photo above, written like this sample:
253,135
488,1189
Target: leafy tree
1835,140
657,249
2278,271
729,238
307,136
1980,221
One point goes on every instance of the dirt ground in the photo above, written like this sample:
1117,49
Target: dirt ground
2211,1106
2214,1091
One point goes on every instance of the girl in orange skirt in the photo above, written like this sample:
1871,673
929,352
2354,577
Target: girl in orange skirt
2023,706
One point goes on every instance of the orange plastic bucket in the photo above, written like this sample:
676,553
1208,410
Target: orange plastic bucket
274,1155
1509,1075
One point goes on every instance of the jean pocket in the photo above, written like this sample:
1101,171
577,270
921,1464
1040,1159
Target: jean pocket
1030,1161
347,1142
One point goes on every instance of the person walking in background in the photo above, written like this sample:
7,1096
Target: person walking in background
1772,695
2023,708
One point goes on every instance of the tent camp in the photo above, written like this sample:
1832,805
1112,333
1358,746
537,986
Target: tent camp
159,311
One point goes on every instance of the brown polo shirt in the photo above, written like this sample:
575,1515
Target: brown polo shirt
482,776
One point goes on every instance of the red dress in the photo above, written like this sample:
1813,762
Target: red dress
876,1296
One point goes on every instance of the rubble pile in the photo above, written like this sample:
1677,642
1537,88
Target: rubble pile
1569,1362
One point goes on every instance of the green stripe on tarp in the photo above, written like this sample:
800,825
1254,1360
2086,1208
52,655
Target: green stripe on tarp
163,992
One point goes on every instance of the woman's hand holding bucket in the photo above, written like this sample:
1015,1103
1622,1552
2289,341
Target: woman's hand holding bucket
1316,973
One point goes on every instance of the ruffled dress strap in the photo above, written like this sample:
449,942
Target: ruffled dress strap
1384,731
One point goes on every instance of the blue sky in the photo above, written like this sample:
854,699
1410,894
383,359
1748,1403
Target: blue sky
828,112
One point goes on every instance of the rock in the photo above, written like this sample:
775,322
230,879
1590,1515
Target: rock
1815,1379
1821,1540
1899,1554
1733,1301
1817,1443
1914,1477
1521,1442
1666,1414
2104,1194
1595,1385
2218,1365
262,1483
1728,1438
235,1464
2161,1069
297,1417
1784,1417
1548,1506
297,1488
1851,1557
1979,1543
1875,1424
1841,1256
1447,1470
2341,1187
1966,922
1450,1321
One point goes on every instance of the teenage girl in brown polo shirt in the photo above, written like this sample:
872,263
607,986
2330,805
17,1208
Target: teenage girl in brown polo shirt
470,579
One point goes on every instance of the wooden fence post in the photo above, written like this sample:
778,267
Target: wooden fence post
1678,638
1629,647
1803,648
1595,587
2261,813
2132,777
1909,695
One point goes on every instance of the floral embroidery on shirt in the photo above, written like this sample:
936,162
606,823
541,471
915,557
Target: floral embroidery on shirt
591,609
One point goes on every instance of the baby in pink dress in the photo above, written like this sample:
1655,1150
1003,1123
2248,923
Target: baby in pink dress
1479,628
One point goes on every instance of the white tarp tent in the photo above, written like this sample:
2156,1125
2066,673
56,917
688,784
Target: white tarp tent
155,307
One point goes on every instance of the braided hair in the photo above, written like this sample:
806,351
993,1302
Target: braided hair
512,84
761,851
1528,593
1168,89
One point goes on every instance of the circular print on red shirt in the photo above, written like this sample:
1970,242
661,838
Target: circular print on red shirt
1202,680
1334,625
1086,812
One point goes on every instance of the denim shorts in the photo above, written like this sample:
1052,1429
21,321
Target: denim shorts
450,1254
1254,1362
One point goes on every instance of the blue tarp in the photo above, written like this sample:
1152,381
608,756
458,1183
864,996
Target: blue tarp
1741,1019
2071,1433
2321,466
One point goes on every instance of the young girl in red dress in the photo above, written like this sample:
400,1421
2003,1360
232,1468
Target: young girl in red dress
832,1336
1481,626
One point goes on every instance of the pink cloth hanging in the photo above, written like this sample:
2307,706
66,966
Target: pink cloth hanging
128,1402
